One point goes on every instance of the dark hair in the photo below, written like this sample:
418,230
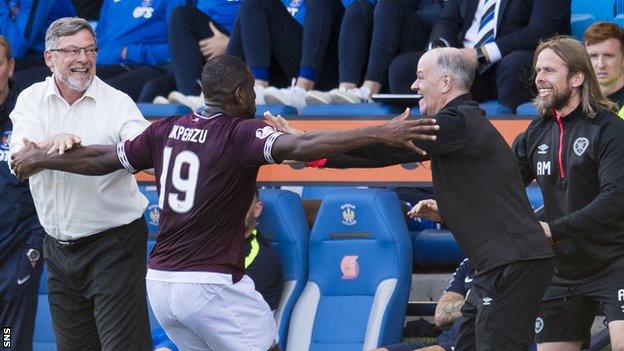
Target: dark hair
222,75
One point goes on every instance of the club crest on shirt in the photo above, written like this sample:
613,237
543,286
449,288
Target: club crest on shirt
539,325
350,267
262,133
348,214
154,214
5,140
580,145
145,10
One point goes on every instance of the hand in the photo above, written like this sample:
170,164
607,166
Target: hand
427,209
60,142
214,46
401,132
547,232
471,54
23,162
280,124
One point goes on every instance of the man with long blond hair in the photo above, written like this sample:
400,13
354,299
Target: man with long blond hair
575,152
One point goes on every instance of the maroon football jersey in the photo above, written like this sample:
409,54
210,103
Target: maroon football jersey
206,171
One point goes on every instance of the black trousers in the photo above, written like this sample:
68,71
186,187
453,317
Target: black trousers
508,80
97,291
187,26
501,307
267,36
354,41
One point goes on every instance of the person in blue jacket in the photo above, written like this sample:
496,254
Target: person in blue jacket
24,22
21,235
132,38
197,33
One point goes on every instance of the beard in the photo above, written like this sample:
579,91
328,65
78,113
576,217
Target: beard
74,83
556,101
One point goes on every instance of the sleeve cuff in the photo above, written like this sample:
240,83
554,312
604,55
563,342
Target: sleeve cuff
123,159
317,164
268,147
493,52
556,231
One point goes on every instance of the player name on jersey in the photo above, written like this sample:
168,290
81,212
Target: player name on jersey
193,135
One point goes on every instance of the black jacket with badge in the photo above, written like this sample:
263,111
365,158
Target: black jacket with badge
582,180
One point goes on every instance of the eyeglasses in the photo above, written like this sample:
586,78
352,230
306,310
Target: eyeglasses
72,51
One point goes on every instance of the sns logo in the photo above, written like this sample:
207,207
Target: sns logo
350,267
348,214
145,10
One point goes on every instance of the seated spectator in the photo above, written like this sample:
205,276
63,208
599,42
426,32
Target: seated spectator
605,45
279,43
24,24
499,37
371,35
262,264
196,34
447,314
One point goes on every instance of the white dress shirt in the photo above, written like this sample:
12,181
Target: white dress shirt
71,206
472,34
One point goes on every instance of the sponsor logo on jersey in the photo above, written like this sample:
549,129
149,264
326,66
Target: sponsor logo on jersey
262,133
580,145
349,267
348,214
487,301
468,280
542,149
539,325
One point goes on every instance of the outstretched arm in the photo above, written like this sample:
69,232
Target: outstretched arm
318,144
87,160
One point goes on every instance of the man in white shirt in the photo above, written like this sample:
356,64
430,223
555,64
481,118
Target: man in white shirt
96,242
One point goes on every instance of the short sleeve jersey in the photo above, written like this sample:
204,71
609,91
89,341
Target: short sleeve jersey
206,170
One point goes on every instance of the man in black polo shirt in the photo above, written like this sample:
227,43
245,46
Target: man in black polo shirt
481,199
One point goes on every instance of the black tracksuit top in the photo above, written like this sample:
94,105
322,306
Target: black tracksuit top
578,163
478,185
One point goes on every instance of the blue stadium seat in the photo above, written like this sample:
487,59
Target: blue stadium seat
534,193
580,22
43,338
436,247
364,109
495,108
152,212
602,10
526,109
154,111
284,223
275,110
359,277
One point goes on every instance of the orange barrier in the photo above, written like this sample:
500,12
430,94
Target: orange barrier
404,175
